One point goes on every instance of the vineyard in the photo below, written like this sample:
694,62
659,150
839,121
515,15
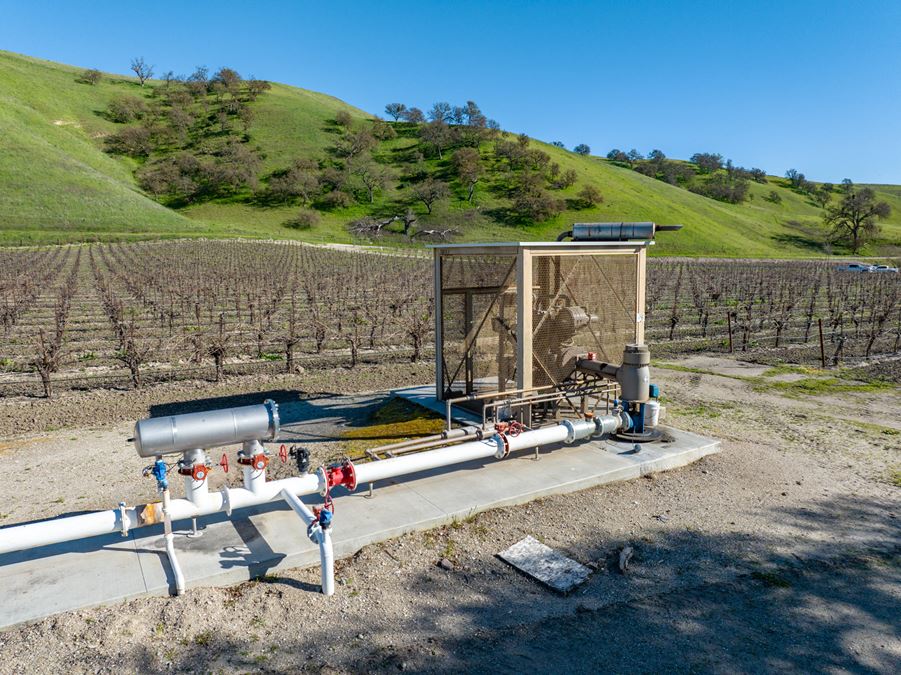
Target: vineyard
131,314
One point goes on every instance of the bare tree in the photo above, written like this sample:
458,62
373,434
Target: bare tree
437,135
414,115
854,218
395,110
469,168
441,111
430,191
143,71
373,176
218,348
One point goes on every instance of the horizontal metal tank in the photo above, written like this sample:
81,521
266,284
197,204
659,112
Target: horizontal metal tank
165,435
612,231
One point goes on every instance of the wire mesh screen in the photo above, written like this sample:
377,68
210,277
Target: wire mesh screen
478,323
581,303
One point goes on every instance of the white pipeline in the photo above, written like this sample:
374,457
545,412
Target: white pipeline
32,535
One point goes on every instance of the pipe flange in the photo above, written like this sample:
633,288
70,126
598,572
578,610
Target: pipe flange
323,481
570,431
274,421
503,446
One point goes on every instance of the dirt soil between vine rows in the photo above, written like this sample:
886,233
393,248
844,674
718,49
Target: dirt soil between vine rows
779,554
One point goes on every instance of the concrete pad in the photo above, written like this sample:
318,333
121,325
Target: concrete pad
268,538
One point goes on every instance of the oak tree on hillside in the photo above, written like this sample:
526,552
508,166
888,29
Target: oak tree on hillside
582,149
430,191
343,119
441,111
707,162
590,196
374,177
469,168
414,115
395,110
142,70
91,76
854,219
436,135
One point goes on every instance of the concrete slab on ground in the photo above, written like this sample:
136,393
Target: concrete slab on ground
258,541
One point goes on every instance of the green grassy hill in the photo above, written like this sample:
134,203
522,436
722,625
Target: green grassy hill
58,184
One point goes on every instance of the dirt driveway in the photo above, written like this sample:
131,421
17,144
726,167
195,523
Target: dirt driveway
779,554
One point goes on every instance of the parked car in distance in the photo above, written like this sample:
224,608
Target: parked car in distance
855,267
884,268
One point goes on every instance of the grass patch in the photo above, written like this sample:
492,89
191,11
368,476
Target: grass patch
203,638
792,369
821,386
895,477
396,420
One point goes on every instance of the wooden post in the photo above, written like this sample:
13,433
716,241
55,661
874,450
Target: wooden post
729,321
822,344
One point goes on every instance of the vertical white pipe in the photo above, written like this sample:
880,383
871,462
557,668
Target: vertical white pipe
170,545
196,491
323,537
327,561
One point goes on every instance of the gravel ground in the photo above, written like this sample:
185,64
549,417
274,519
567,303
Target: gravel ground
779,554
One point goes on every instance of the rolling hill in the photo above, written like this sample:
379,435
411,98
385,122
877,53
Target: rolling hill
57,184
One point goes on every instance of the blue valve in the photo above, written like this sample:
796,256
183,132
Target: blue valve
325,519
160,471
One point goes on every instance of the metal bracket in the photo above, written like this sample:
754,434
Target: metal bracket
226,500
123,519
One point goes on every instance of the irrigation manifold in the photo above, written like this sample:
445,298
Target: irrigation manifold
544,341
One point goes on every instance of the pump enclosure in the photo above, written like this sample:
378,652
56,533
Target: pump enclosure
512,316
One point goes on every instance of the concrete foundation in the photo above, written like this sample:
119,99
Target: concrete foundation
258,541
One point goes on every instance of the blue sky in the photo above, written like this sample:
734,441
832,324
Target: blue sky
810,85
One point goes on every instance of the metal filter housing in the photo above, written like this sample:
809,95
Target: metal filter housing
177,433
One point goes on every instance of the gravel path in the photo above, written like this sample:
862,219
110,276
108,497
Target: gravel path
779,554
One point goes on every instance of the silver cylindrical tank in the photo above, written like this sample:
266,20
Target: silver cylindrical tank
634,375
612,231
164,435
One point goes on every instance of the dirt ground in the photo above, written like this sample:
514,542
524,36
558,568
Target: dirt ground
779,554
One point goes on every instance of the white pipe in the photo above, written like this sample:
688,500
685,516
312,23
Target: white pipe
327,561
196,491
170,545
423,461
322,537
32,535
58,530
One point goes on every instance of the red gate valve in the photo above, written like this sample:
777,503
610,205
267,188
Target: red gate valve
343,474
224,462
258,461
283,453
